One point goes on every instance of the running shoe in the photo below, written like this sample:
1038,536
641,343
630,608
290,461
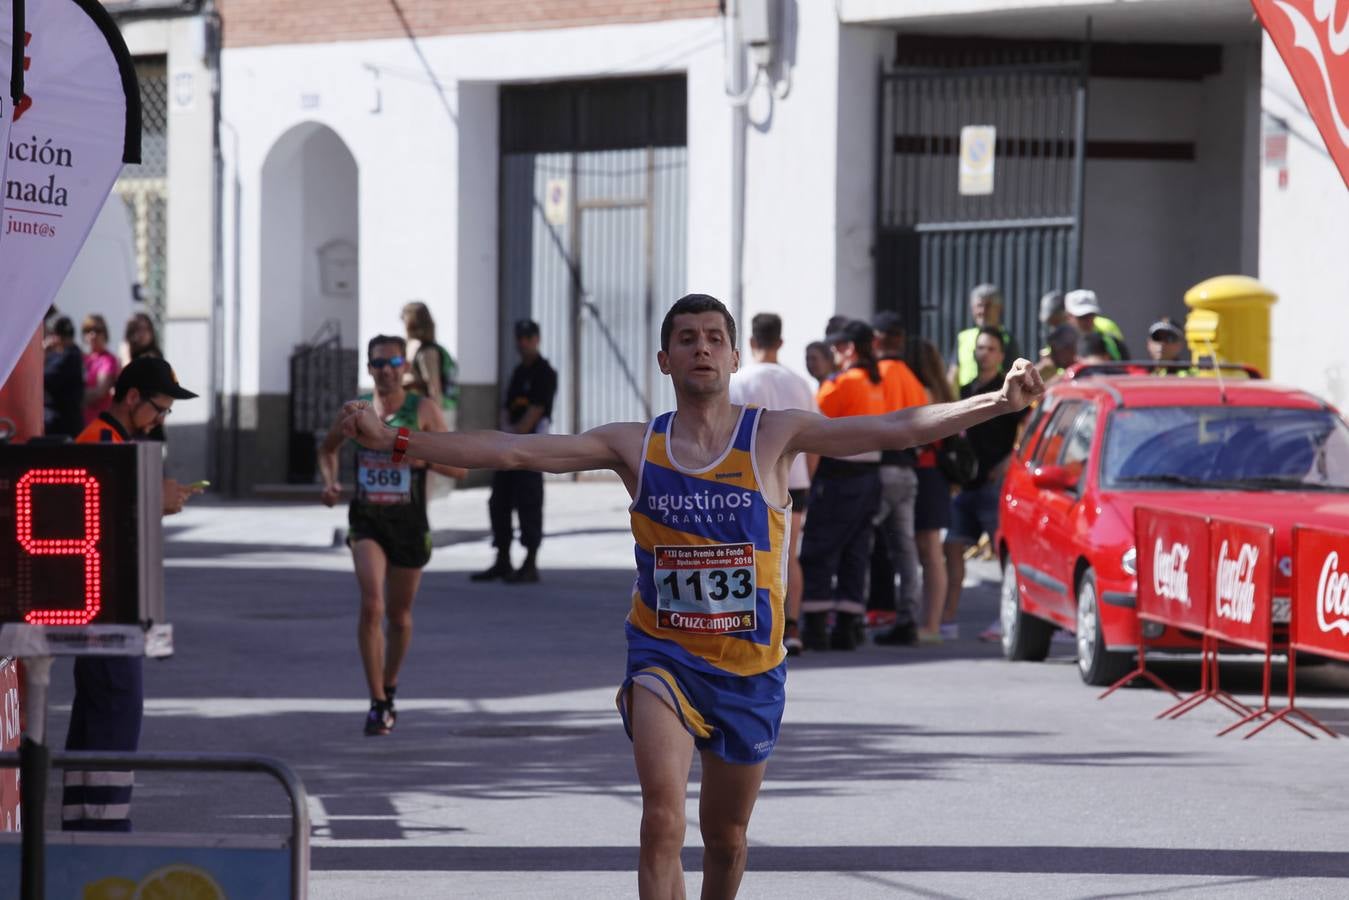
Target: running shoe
950,631
379,721
791,639
992,633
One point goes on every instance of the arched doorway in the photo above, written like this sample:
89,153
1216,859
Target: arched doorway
309,291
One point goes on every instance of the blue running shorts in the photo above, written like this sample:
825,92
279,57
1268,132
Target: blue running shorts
737,717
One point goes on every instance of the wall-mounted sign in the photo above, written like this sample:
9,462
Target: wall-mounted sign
556,201
977,144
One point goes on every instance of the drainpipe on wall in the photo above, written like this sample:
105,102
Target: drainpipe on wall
750,31
216,456
739,94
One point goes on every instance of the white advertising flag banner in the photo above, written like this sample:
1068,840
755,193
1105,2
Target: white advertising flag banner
6,70
78,121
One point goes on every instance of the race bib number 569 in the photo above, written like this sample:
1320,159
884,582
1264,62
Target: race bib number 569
707,589
382,481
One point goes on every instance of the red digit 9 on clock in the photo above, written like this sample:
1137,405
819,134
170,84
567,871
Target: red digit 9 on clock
80,534
81,550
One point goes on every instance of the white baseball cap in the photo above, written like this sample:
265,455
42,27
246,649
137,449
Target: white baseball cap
1081,303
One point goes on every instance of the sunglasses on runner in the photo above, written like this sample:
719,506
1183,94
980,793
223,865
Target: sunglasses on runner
394,361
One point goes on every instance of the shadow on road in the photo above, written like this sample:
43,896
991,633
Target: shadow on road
986,859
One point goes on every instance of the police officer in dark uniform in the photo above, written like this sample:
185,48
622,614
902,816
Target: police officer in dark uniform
528,409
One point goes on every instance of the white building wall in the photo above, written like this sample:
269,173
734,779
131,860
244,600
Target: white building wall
191,219
862,53
790,212
1304,230
1155,228
425,147
810,182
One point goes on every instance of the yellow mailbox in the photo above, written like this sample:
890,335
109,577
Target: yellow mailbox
1229,320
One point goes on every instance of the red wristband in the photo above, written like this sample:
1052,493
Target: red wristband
400,444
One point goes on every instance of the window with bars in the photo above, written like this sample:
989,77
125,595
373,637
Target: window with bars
145,187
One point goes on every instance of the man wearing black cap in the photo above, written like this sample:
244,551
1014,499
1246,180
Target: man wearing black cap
142,398
1166,343
528,410
109,693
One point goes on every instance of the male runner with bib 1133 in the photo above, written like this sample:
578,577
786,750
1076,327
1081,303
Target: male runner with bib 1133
387,528
710,516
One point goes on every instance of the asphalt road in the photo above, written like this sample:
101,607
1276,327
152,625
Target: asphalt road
923,772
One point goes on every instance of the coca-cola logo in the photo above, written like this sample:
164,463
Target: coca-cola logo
1332,596
1170,575
1236,583
1331,70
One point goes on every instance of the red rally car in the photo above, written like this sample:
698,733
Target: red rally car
1099,445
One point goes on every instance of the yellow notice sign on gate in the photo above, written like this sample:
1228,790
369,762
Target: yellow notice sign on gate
977,144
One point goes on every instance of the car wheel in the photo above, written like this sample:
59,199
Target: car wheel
1097,665
1024,637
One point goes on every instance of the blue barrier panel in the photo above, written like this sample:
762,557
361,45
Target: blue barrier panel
122,866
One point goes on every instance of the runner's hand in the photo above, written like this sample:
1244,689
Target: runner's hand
332,493
361,423
1023,385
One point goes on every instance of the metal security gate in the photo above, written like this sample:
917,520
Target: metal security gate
594,246
935,241
322,377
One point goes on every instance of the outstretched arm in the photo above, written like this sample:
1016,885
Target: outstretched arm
599,448
913,426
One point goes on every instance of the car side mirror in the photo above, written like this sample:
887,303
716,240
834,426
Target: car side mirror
1055,478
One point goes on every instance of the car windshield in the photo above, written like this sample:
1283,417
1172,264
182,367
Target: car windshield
1226,447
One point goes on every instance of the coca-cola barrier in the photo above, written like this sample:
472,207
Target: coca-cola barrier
1319,612
1173,567
1176,587
1242,561
1172,584
1215,576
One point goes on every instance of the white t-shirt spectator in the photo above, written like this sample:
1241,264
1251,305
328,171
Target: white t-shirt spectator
774,386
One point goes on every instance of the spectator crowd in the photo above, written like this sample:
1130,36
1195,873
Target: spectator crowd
868,525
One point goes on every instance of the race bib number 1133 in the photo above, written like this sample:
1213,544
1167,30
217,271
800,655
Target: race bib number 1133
706,589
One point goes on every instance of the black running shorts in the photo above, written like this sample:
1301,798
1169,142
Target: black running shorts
401,531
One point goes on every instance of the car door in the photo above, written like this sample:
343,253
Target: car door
1062,512
1037,509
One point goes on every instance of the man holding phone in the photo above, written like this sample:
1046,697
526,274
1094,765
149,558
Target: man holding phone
109,691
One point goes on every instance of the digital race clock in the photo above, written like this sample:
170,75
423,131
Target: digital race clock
81,548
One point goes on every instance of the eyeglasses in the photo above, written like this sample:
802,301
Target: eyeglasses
160,411
394,361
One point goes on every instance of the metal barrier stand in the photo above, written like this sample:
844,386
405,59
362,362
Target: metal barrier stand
1142,670
195,762
1286,714
1208,686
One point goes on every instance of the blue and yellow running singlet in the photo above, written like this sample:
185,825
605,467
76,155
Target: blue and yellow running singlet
705,628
